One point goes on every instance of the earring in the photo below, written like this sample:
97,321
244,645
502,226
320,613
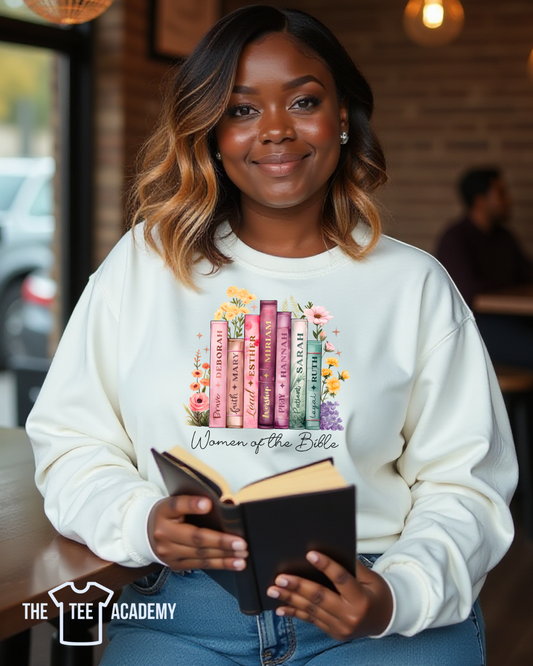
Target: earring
344,138
218,156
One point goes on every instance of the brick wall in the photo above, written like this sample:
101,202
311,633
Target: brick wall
437,110
441,110
127,94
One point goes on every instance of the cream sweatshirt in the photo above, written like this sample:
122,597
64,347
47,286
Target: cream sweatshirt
412,413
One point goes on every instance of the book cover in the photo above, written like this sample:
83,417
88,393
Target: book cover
251,358
312,398
267,362
279,517
219,365
283,370
298,373
235,370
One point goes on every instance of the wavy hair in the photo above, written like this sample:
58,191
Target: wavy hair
185,195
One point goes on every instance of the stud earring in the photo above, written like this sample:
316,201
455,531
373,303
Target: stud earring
344,138
218,156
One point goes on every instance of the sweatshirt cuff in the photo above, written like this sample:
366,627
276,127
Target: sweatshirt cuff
409,589
135,530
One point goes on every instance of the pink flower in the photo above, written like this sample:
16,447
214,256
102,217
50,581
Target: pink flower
317,315
322,335
329,347
199,402
194,386
205,365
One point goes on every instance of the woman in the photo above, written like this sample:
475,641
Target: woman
257,185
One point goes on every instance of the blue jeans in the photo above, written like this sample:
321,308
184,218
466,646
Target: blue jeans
207,629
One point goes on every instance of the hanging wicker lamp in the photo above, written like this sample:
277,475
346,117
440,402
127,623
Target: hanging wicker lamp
68,12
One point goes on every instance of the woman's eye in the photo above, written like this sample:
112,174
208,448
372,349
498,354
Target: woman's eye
306,103
241,110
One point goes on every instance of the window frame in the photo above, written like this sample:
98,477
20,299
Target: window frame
75,100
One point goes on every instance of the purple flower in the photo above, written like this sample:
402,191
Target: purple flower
329,416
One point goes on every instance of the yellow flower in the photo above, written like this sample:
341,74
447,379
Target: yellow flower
229,307
332,361
345,374
248,299
218,315
232,291
242,294
230,316
326,372
244,311
333,384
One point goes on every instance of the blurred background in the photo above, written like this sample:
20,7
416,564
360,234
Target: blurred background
77,102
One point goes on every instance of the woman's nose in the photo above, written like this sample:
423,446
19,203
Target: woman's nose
276,126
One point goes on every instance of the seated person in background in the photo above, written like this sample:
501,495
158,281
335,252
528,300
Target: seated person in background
482,255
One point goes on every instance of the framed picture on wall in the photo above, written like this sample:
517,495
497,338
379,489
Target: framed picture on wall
178,25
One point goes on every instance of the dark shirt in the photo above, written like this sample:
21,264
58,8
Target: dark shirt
480,261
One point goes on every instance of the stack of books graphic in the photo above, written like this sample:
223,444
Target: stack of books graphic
271,378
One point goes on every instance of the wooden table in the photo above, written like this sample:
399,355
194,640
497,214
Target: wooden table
34,558
516,300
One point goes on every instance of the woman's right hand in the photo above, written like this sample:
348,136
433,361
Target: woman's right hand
184,546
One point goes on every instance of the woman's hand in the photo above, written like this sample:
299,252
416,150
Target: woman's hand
360,607
184,546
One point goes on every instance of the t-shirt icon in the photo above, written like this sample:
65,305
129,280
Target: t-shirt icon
92,609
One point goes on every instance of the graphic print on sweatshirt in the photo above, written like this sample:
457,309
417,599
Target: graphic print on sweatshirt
264,367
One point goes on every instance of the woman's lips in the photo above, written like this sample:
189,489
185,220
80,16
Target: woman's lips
280,164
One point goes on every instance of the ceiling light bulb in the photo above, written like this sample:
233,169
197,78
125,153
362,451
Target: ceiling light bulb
433,15
433,22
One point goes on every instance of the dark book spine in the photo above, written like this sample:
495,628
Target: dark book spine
246,590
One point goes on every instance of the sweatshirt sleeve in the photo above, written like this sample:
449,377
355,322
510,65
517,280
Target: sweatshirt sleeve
85,461
460,464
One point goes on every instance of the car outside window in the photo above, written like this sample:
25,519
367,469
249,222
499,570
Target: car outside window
42,204
9,186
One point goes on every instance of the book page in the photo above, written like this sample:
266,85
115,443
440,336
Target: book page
312,478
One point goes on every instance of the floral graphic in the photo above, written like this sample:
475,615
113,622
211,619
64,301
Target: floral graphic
317,315
199,402
329,417
233,311
198,409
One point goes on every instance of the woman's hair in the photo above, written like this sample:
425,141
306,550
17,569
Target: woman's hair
183,192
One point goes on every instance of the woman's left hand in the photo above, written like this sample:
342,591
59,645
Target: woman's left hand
361,606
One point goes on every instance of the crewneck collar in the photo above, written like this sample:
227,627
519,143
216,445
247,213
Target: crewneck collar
285,267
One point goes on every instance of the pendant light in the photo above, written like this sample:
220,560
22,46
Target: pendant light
68,12
433,22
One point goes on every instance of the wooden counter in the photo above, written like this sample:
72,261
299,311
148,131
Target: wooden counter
34,558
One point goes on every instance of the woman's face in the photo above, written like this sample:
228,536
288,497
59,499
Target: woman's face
280,135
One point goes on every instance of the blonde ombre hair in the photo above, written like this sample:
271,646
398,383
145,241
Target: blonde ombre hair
183,193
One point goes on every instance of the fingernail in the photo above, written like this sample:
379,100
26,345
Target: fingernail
282,582
238,545
239,564
312,557
280,611
272,592
203,504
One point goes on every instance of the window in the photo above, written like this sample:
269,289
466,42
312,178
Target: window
45,180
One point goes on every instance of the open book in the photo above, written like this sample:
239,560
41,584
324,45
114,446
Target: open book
281,518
